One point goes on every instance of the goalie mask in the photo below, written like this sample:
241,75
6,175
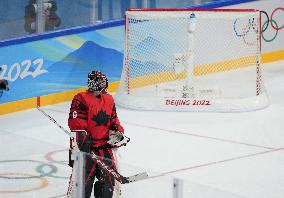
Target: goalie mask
97,81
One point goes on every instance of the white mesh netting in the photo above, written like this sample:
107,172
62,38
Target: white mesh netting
192,60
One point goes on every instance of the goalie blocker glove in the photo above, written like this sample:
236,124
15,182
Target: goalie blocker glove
80,140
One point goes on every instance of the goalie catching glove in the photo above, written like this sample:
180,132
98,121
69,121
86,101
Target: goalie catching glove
117,139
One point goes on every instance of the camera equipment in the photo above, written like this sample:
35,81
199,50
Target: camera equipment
51,19
3,85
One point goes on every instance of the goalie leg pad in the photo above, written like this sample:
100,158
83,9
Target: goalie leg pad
90,174
105,186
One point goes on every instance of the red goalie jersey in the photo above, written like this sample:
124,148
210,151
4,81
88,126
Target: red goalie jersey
94,114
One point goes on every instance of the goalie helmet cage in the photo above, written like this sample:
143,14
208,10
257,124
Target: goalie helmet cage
192,60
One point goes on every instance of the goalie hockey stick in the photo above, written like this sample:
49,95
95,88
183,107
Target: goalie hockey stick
117,176
53,120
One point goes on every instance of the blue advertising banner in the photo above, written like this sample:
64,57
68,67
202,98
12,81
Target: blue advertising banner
61,63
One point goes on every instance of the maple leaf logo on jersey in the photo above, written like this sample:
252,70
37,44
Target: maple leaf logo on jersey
101,118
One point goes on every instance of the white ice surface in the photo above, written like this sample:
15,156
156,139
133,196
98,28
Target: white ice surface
224,155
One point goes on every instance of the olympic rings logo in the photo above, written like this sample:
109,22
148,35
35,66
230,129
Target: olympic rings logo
43,184
270,20
252,27
45,169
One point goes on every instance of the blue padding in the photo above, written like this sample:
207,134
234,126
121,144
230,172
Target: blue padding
64,32
220,3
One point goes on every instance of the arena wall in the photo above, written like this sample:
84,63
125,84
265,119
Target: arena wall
53,66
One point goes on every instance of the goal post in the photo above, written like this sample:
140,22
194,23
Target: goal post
192,60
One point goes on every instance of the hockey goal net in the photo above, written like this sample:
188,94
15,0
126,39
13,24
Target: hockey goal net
192,60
